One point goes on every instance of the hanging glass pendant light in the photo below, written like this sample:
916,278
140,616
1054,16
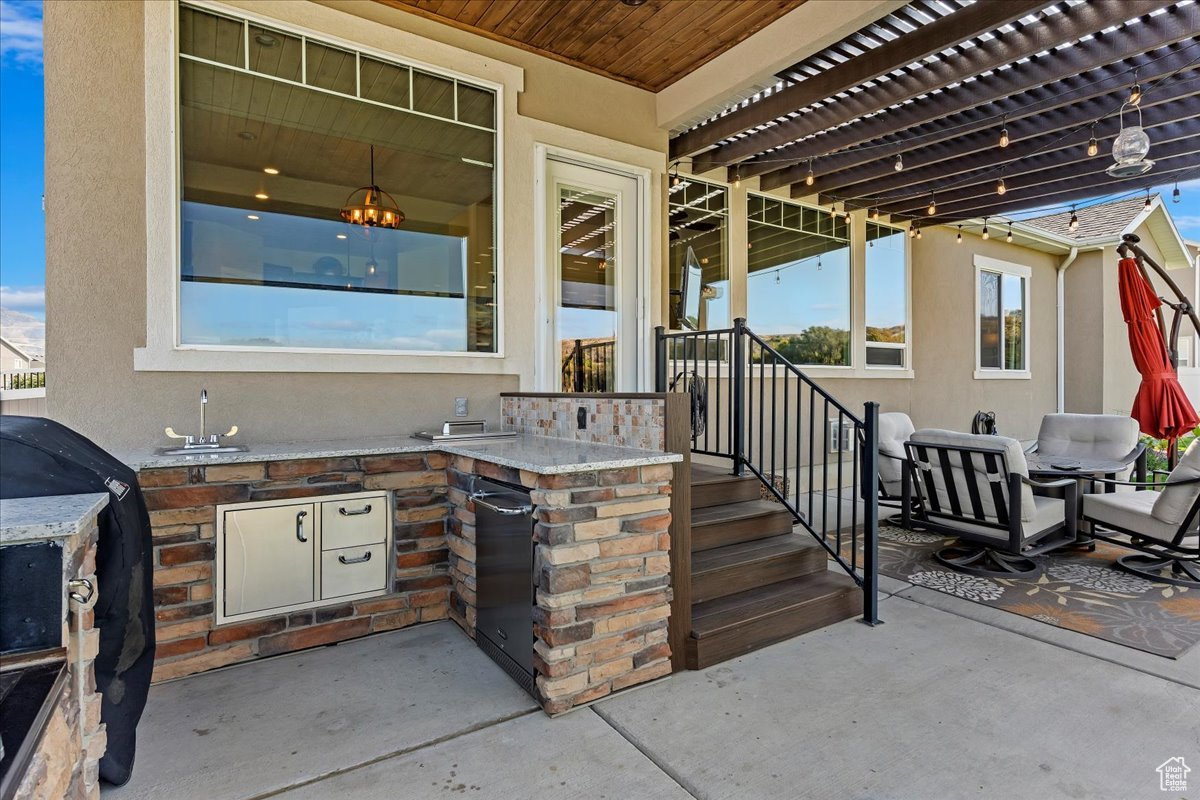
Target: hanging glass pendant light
1130,149
372,207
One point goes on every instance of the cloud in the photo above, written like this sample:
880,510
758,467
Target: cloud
29,297
1187,223
21,32
345,325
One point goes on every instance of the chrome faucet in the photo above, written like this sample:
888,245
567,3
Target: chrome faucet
204,440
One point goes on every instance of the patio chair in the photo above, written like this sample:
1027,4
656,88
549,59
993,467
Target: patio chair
1102,437
977,487
1162,525
894,429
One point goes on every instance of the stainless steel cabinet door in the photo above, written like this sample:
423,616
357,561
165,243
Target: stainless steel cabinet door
269,558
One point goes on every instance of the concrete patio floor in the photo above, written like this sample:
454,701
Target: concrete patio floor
942,701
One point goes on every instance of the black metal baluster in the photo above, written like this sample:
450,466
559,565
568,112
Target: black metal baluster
812,464
825,473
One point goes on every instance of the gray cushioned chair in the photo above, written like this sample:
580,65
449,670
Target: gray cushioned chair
1084,437
1162,524
977,487
894,429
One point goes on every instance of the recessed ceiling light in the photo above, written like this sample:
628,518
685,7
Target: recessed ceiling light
262,196
341,236
270,170
633,2
266,39
252,216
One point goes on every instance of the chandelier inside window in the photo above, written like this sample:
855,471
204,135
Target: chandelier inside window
372,207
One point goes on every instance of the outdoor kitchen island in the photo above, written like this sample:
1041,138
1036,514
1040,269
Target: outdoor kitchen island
601,562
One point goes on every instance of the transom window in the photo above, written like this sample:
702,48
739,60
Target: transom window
276,131
798,281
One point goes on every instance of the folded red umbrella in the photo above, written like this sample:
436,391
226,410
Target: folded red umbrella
1161,407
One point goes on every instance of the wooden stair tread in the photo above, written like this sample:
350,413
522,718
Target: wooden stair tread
706,474
748,509
745,553
726,614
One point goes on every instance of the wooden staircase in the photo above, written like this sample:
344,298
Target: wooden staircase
753,581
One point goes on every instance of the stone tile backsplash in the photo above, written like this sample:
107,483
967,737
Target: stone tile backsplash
615,420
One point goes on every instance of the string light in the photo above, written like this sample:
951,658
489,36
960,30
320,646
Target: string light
985,230
1004,132
899,162
1008,238
959,239
810,178
1001,188
1175,195
912,230
1093,145
675,179
737,177
875,211
932,205
1135,94
1074,223
918,231
1147,205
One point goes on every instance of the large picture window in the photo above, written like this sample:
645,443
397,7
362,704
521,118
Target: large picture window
798,281
886,287
276,131
698,224
1002,300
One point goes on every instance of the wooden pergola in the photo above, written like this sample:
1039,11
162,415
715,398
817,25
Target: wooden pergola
930,87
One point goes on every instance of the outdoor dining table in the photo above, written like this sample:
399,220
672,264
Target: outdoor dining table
1083,469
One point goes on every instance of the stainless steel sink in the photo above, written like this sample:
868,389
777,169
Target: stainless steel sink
202,450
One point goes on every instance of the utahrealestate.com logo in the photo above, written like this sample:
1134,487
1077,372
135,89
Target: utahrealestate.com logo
1172,775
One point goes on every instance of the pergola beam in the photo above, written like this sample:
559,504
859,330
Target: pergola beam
947,70
932,38
1098,65
1071,190
934,167
1047,169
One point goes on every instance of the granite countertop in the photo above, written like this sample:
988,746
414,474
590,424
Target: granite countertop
34,519
544,455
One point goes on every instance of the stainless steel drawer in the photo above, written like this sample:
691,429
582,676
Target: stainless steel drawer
350,523
353,570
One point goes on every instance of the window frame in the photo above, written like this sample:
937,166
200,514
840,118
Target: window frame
997,267
727,254
906,360
164,350
851,369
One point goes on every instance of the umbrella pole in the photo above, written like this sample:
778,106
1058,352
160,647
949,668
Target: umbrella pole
1172,453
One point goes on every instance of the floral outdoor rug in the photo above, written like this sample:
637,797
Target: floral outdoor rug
1074,589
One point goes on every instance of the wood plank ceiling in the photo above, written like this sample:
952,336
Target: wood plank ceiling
911,108
649,44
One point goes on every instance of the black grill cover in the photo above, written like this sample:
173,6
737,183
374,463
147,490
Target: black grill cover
41,458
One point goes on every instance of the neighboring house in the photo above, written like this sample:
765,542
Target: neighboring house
225,263
13,357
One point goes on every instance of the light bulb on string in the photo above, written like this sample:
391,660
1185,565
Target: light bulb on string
1093,146
811,177
1001,187
1135,94
958,239
737,177
918,231
985,234
875,213
899,162
912,231
1004,140
1147,204
1008,238
1073,225
1176,195
932,205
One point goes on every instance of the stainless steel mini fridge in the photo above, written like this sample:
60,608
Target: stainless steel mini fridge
504,577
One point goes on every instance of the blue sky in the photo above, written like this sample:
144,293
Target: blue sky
22,226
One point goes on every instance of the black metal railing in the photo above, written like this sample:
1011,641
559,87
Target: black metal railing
589,367
23,379
810,452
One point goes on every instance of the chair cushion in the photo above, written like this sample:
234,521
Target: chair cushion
1014,456
1099,436
1130,511
894,429
1174,502
1048,514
